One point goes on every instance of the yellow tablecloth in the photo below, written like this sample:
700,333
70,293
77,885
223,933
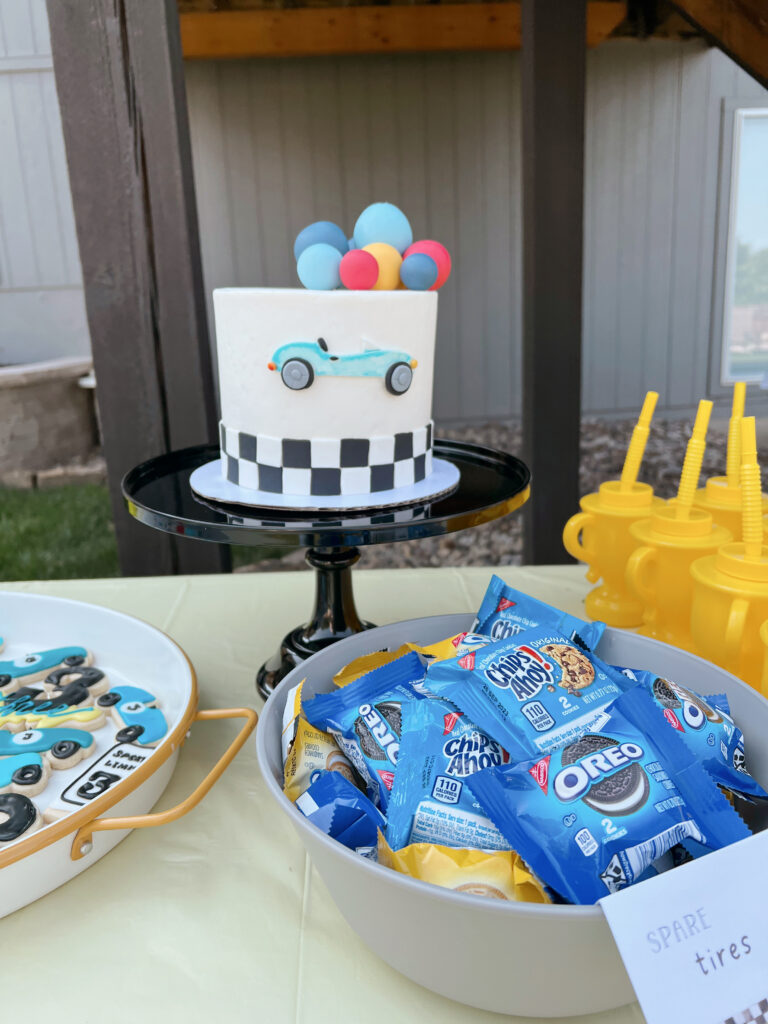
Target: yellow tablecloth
220,916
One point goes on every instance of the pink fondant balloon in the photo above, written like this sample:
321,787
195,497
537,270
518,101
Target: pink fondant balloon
438,253
359,270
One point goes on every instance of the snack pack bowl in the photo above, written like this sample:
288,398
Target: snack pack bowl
514,958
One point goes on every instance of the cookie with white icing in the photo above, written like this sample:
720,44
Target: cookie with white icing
36,665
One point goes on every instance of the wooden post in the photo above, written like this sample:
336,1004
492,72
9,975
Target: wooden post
553,89
119,77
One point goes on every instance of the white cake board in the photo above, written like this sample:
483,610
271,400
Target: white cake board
208,482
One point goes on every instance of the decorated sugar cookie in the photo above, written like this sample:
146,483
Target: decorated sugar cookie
79,684
24,773
29,668
18,816
63,747
21,711
136,715
98,777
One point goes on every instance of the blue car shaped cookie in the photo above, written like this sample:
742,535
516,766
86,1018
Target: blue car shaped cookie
65,747
299,362
133,709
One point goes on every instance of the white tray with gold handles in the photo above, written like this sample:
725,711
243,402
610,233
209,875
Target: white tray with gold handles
90,792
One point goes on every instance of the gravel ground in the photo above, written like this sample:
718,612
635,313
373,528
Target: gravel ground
603,446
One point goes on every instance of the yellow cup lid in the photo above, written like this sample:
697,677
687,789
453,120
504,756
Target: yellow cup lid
638,496
698,523
731,559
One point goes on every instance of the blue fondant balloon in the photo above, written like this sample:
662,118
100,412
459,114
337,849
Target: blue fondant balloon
321,231
318,267
418,272
383,222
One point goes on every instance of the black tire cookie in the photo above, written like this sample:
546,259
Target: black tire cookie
621,793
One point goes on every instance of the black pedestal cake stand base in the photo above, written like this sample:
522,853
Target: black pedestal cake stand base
492,484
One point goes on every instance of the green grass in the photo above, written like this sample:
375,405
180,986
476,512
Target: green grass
67,533
63,533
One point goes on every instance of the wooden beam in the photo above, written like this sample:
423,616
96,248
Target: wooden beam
553,96
119,77
313,31
738,27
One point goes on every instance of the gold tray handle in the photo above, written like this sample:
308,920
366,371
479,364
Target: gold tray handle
83,841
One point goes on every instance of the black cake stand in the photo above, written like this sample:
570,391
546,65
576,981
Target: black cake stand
158,493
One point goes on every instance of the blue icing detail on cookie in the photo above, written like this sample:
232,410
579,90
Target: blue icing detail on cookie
39,740
11,764
132,709
39,661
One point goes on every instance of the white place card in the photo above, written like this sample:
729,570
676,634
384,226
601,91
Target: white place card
694,940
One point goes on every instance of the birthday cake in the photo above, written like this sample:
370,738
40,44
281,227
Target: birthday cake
326,390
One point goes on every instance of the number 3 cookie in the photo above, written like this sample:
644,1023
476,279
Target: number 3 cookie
136,715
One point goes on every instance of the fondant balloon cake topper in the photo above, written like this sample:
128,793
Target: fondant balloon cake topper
381,254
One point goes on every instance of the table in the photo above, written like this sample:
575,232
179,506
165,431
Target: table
167,937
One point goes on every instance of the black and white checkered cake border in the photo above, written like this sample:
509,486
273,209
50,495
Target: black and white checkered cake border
322,467
757,1014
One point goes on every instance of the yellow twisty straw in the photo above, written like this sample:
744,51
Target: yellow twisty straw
733,458
636,448
751,493
694,453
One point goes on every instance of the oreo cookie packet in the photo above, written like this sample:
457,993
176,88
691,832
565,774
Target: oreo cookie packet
706,725
430,802
592,816
531,692
506,612
364,718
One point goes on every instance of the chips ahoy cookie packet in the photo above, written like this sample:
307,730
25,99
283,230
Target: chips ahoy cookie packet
430,803
531,692
591,817
506,612
706,725
364,718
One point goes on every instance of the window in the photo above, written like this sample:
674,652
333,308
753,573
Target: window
745,305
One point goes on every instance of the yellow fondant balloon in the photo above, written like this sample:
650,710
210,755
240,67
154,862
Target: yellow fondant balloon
389,260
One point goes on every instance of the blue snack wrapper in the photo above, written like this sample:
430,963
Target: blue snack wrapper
430,802
706,726
364,718
506,612
532,692
591,817
341,811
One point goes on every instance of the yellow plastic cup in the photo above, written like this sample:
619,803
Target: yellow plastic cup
730,605
659,571
600,536
764,642
723,502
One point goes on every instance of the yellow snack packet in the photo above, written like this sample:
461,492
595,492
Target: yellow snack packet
497,874
451,647
367,663
313,751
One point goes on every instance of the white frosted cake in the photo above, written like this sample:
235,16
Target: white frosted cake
325,393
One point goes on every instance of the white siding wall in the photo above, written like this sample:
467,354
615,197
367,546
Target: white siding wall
42,313
280,143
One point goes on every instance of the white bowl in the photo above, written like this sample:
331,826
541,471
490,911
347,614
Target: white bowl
515,958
